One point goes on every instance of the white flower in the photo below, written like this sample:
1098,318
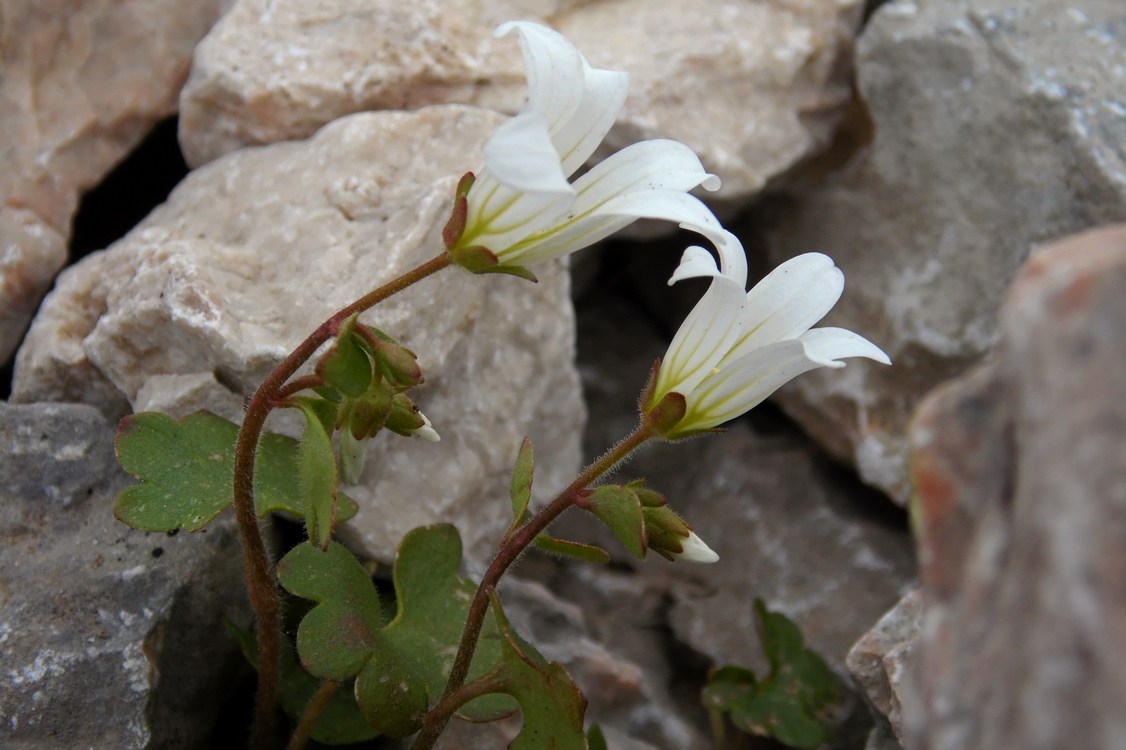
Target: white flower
521,207
735,349
694,550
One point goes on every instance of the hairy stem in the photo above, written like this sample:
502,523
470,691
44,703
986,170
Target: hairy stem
511,549
260,584
313,710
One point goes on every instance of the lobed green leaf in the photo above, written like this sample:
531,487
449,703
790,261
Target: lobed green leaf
788,704
186,472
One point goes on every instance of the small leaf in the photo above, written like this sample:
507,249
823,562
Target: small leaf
620,509
595,740
577,550
345,365
186,472
316,471
551,703
401,667
335,638
520,490
789,702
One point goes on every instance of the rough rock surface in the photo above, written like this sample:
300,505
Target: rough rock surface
1021,508
196,305
753,87
880,662
107,635
997,124
82,83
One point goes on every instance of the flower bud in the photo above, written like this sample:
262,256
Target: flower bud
670,536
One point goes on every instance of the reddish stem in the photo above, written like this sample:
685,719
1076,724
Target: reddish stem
261,588
511,549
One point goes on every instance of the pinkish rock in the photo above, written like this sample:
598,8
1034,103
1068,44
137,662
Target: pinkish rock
1021,516
82,83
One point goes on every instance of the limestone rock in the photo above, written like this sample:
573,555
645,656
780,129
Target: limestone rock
1021,511
82,83
880,661
996,124
753,87
197,304
108,636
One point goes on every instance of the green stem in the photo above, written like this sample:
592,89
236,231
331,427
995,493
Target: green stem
260,585
313,710
511,549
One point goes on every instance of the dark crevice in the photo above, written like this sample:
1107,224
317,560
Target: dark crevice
137,185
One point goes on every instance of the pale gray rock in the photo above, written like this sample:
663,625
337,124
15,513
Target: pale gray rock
880,662
1021,513
994,124
109,637
753,87
82,83
198,303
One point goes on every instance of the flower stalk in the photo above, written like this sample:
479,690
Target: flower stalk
510,550
258,567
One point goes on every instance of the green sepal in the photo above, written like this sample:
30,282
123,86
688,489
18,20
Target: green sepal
665,531
341,722
455,226
479,259
790,704
345,365
323,411
366,416
328,393
666,414
316,472
649,498
595,740
404,416
397,363
520,488
577,550
400,667
186,472
619,508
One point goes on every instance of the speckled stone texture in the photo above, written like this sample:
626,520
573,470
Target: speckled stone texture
994,124
1021,511
109,637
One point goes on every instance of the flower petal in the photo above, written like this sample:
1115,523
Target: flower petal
520,156
554,69
603,96
703,339
586,228
740,385
697,262
791,298
831,344
743,384
694,550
